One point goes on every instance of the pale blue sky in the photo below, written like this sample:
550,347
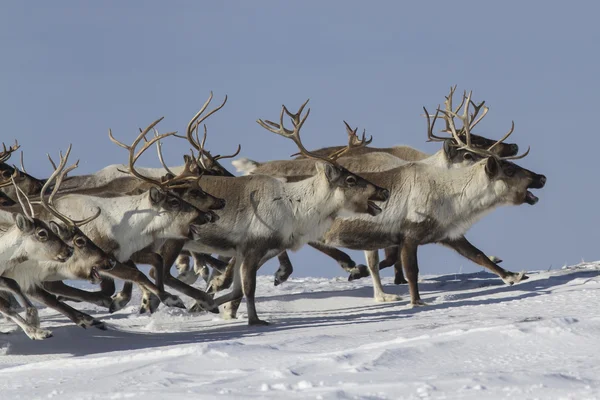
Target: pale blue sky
72,69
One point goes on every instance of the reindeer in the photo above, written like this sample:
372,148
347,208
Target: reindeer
439,206
430,190
264,216
131,223
24,238
86,261
8,173
365,160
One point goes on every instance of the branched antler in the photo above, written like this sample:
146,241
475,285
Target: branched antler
294,134
133,157
6,153
56,178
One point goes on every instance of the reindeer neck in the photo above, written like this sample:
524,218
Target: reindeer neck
312,200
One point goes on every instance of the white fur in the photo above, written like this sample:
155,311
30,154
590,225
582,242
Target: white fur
245,166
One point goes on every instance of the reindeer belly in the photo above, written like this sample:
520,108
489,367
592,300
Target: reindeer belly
359,234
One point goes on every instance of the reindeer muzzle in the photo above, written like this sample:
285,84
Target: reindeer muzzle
380,195
65,255
538,182
510,150
95,276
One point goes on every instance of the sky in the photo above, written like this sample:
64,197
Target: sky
69,70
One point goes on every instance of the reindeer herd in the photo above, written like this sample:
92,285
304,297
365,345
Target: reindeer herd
199,216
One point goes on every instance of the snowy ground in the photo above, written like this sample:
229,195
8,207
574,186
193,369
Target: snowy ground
329,340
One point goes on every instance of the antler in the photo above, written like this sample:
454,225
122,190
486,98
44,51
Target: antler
133,157
468,124
57,176
20,192
6,153
174,180
205,159
354,142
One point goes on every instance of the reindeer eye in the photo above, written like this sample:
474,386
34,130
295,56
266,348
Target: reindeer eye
468,156
42,234
510,171
173,202
351,180
79,241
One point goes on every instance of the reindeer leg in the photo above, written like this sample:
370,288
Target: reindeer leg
150,302
392,257
129,272
248,271
10,285
285,268
79,318
343,259
185,269
221,280
463,247
372,257
169,251
202,262
66,292
33,332
411,268
122,298
235,296
107,287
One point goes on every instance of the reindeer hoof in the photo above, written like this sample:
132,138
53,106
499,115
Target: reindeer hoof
150,304
196,308
173,301
38,334
99,325
257,322
360,271
513,278
282,275
418,303
387,298
118,302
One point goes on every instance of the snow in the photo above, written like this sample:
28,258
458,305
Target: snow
477,338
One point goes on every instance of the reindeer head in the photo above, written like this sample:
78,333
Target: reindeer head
180,218
456,154
38,241
88,259
10,173
176,218
512,182
509,182
353,193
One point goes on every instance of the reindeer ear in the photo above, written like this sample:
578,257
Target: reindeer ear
331,171
156,195
23,223
450,149
492,167
54,227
